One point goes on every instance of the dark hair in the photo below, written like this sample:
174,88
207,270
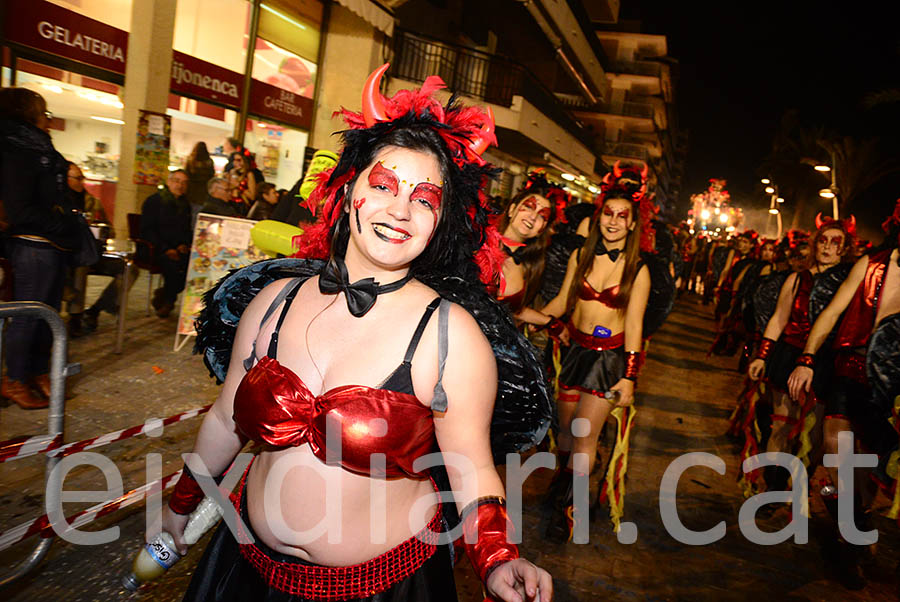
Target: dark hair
263,189
199,156
632,253
360,150
234,142
535,250
22,104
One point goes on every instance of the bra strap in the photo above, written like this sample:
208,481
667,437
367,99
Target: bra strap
414,342
279,298
289,298
439,399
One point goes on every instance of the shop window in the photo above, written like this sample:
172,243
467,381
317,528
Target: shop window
87,116
194,121
287,45
215,31
116,13
278,151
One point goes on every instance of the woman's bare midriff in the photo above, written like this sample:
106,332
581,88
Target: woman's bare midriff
297,483
588,314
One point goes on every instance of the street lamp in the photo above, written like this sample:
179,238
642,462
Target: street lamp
766,181
769,190
832,191
774,200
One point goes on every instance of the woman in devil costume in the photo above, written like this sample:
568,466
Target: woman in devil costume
306,379
796,419
526,229
605,293
867,300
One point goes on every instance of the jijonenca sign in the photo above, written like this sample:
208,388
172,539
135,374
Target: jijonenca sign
205,80
86,43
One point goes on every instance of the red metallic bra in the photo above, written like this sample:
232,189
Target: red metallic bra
514,301
272,404
608,296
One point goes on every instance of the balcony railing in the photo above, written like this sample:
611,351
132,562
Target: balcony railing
635,68
488,77
627,149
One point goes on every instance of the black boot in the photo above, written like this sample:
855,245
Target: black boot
76,328
90,319
559,529
562,478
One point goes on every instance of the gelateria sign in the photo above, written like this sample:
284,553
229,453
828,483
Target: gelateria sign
50,28
53,29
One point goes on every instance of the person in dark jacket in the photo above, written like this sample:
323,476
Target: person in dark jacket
266,199
166,224
218,199
40,235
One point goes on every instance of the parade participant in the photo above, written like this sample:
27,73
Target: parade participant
404,207
869,295
605,291
784,338
243,176
526,228
738,257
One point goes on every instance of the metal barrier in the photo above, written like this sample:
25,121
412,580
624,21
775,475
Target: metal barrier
59,370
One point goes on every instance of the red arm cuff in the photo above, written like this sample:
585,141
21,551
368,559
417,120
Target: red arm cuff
808,360
486,523
633,362
765,349
187,494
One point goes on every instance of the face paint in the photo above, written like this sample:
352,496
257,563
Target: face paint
545,213
430,196
624,213
837,241
358,203
381,176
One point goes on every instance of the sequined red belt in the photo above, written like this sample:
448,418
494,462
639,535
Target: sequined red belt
343,582
852,366
589,341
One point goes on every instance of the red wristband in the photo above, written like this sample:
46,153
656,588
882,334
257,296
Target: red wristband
187,494
765,349
633,363
485,522
554,327
807,359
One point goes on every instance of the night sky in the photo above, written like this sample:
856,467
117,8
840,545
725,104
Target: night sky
743,64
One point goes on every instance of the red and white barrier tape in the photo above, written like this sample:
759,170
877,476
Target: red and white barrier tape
41,525
16,449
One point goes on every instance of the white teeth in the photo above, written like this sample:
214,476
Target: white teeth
389,232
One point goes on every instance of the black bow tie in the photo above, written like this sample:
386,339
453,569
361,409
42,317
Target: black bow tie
517,254
361,294
601,249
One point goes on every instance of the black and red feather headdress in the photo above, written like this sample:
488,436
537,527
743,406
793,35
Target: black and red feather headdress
631,182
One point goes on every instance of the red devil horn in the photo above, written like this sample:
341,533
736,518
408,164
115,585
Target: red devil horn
617,170
820,221
851,225
645,172
372,101
481,140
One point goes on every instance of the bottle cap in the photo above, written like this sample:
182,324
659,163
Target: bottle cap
131,582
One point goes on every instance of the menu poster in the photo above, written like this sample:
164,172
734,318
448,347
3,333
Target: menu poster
151,156
220,245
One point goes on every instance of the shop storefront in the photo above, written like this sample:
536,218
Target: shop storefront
74,53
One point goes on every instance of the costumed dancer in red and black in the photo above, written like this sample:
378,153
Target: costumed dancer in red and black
797,422
375,341
739,257
605,292
526,227
869,296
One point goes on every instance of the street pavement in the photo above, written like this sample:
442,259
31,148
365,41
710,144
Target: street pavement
683,404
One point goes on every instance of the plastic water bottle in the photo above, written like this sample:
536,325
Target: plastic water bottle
158,556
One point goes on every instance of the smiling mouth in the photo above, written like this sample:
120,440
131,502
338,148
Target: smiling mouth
394,236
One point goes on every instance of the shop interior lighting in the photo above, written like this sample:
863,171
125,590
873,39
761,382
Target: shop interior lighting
769,190
822,168
52,88
108,120
826,193
766,181
779,199
104,99
723,218
773,211
282,15
567,177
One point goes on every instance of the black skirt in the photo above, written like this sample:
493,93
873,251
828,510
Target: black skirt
591,371
224,575
783,360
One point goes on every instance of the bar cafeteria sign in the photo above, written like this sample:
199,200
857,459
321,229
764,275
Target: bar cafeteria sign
270,101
